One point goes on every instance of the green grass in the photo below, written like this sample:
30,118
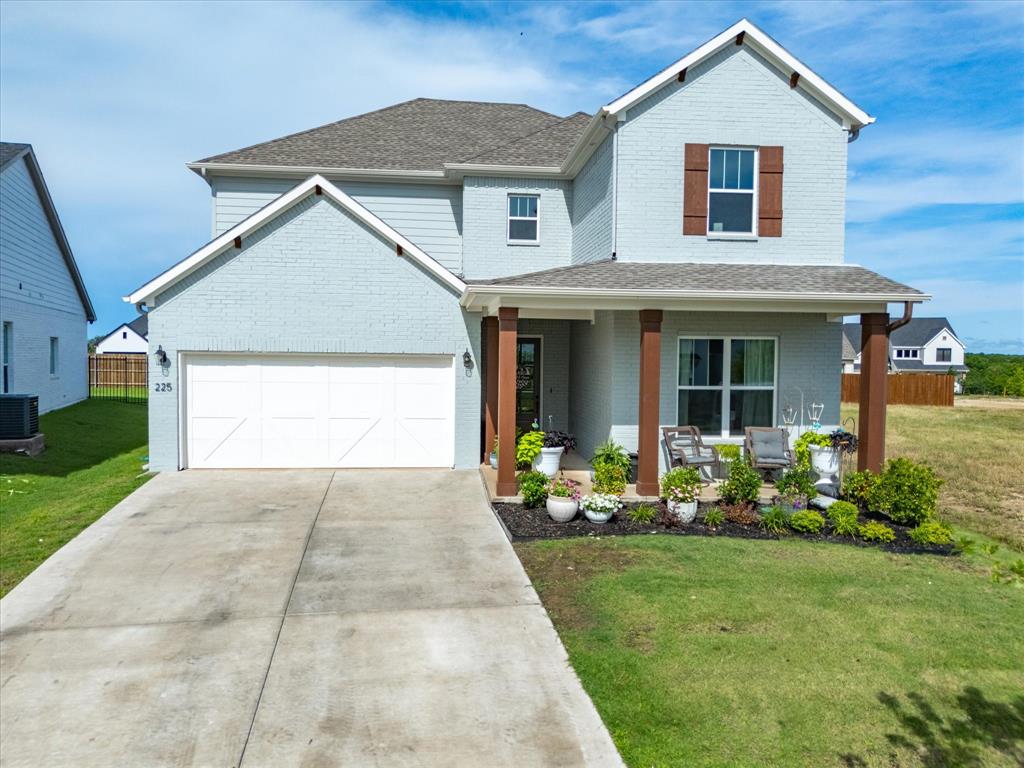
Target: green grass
136,393
93,459
729,652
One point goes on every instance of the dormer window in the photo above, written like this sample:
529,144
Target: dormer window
523,219
731,191
907,354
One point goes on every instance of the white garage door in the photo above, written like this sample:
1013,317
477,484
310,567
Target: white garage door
319,411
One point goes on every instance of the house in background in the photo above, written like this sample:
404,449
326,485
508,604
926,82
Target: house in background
126,339
399,287
44,307
924,345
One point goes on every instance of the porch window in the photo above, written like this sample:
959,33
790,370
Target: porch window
523,219
731,192
726,384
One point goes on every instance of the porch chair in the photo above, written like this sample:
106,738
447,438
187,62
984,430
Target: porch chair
768,449
684,447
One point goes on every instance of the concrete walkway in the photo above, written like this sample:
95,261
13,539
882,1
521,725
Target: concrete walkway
313,618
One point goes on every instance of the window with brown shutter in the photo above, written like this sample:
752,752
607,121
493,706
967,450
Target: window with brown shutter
695,190
769,188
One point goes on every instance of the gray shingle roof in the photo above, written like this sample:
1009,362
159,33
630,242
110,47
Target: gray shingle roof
918,332
548,146
417,135
9,150
767,278
140,325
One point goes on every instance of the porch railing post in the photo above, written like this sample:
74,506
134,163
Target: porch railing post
490,385
508,321
650,399
874,389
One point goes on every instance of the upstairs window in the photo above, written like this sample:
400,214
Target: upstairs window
731,203
523,219
124,334
907,354
944,354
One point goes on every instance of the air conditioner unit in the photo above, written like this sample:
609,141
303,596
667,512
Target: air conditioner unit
19,416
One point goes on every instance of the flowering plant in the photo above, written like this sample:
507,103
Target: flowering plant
843,441
564,488
601,502
681,485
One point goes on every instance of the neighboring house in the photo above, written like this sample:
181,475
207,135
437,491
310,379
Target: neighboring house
44,307
924,345
394,288
126,339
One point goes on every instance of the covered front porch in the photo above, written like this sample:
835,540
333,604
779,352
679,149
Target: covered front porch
566,350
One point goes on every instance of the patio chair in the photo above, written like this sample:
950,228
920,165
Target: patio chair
768,449
684,447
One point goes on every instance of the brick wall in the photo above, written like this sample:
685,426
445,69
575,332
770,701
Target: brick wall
592,193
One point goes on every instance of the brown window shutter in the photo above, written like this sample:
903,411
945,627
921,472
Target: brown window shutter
769,191
695,190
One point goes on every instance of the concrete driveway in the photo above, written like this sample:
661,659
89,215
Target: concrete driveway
309,618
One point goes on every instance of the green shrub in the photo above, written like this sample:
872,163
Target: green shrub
843,516
728,451
714,517
796,482
609,478
643,513
807,521
681,484
611,453
533,487
857,486
874,531
802,448
743,484
774,520
905,491
528,448
932,532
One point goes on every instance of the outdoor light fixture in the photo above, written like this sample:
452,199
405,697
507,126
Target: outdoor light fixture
161,356
788,416
467,359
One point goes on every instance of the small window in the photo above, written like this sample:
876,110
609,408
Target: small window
54,355
124,334
731,191
907,354
944,354
523,219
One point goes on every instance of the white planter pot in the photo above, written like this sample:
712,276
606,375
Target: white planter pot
685,511
825,461
598,517
494,460
548,461
562,510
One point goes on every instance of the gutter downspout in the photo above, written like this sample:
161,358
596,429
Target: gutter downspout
615,191
908,312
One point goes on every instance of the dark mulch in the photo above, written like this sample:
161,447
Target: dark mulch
531,524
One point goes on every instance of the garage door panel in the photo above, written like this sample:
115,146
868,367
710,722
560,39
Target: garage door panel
319,411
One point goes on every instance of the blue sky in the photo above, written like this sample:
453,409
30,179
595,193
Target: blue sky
116,98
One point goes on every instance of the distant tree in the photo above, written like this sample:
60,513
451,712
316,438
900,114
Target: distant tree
994,375
93,342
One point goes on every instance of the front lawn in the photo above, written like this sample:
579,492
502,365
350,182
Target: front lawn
714,652
93,458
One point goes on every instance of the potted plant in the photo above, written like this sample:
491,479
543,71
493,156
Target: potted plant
610,453
680,488
727,454
599,507
528,448
563,499
554,444
494,454
610,479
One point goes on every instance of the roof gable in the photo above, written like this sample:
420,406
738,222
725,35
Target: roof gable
11,153
313,185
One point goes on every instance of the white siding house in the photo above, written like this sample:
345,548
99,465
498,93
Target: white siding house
44,307
126,339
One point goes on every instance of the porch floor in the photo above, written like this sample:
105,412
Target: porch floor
575,467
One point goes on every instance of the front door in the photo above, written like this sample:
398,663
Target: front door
528,383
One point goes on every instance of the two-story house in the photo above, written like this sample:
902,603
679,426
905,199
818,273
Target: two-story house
44,307
924,345
400,287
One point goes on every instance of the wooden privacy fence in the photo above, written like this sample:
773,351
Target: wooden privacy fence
119,377
907,388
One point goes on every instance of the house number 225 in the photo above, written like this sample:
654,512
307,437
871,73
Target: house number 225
161,387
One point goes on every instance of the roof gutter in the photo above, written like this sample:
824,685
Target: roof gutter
304,172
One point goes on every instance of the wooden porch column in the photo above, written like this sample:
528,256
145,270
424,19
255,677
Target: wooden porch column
874,389
508,319
491,384
648,422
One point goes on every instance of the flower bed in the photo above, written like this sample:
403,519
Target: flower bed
525,524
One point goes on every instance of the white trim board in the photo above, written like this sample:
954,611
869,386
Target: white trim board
219,244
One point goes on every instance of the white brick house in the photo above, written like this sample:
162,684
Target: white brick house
44,307
371,298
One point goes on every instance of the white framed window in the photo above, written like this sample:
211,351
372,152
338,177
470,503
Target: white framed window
54,355
732,191
907,353
728,383
524,219
944,355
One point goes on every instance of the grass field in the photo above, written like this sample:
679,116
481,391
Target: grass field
134,393
977,448
93,459
729,652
